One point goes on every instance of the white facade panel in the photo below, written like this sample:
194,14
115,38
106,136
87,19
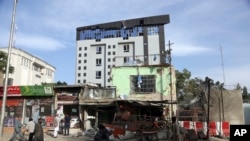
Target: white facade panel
28,69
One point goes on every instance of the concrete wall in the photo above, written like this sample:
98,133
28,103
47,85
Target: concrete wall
227,105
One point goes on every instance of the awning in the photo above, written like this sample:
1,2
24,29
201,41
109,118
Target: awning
101,102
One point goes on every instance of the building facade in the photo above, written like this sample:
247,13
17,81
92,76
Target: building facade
122,43
28,69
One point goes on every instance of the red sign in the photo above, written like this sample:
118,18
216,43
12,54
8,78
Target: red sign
11,91
12,102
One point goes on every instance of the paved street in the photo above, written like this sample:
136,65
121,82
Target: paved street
7,136
71,137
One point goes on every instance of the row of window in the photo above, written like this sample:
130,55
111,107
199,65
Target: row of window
28,63
99,34
99,50
86,48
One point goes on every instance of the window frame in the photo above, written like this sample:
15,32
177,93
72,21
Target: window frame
147,86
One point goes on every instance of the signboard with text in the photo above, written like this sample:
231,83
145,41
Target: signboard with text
28,91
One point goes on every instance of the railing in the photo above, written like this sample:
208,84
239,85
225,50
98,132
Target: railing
153,59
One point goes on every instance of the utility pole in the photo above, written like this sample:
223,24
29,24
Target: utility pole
208,82
7,70
168,56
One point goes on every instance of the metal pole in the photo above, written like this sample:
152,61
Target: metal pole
7,70
170,74
208,105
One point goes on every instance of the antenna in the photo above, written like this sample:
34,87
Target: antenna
222,65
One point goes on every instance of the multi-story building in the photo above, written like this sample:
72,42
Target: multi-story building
121,43
28,69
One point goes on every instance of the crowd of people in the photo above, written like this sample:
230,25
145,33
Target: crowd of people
35,129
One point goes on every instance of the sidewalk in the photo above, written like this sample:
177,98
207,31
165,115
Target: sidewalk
71,137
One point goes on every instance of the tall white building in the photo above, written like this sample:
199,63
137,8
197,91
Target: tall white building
28,69
138,41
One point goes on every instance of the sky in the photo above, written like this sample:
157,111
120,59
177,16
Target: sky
211,38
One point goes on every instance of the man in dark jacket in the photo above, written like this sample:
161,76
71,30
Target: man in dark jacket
66,124
103,134
38,133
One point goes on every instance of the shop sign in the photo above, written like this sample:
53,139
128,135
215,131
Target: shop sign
28,91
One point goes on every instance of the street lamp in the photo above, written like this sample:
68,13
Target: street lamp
7,70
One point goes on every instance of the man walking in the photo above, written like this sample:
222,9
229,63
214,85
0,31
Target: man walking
38,132
30,128
17,129
56,125
66,124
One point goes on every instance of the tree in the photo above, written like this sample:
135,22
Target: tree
187,88
244,93
3,63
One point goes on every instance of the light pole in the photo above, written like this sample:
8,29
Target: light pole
168,56
208,81
7,70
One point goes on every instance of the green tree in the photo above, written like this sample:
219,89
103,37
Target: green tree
238,87
244,92
187,88
3,63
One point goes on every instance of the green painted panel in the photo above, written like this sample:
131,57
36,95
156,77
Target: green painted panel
36,90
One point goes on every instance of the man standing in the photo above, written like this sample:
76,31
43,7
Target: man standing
17,129
56,125
38,132
66,124
30,128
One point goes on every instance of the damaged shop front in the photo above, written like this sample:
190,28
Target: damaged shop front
103,106
28,101
66,102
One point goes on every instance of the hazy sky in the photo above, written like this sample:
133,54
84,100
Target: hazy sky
47,29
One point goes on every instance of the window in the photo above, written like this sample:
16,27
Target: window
109,53
85,48
142,83
113,52
79,55
109,59
85,54
109,46
79,61
79,74
79,68
126,48
84,74
98,62
98,74
84,67
80,48
113,46
85,61
125,60
98,50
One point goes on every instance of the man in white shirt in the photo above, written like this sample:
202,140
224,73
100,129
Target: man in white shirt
56,125
30,128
